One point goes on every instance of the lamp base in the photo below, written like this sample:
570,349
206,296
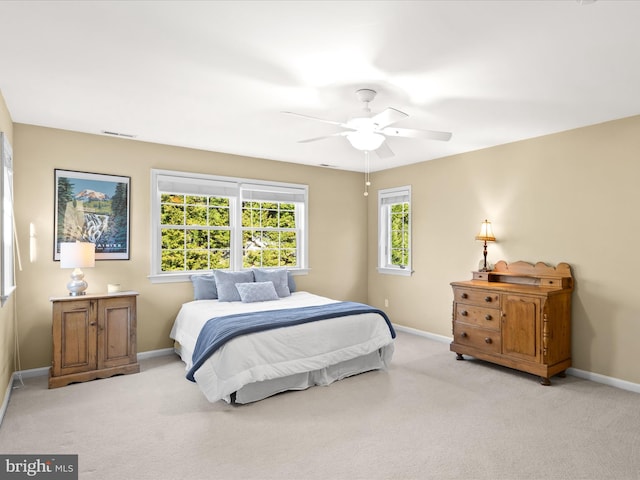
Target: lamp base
77,285
77,294
484,267
484,263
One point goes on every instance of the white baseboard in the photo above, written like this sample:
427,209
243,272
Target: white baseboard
42,371
32,372
155,353
5,402
421,333
39,372
594,377
611,381
36,372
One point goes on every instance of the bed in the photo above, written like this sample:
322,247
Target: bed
248,367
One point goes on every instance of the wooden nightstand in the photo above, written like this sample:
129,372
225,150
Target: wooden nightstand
94,336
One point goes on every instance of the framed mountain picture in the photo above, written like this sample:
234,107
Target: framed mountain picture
92,207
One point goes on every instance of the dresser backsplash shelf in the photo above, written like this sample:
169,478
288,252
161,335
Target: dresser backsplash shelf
523,273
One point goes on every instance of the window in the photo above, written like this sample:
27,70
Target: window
394,231
7,280
195,232
270,235
203,222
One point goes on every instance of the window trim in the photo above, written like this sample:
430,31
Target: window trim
384,229
235,187
7,223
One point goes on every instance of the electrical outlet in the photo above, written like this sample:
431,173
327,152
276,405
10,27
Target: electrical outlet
386,302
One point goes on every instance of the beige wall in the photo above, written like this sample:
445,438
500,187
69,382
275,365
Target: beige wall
564,197
571,197
6,312
337,234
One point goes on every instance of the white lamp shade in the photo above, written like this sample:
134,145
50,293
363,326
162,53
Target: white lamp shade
367,141
77,255
486,232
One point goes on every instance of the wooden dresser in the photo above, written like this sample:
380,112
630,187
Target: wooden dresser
518,316
94,336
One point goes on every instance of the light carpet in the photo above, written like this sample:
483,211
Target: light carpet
427,417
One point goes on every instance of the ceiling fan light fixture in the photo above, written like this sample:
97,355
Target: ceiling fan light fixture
366,141
367,133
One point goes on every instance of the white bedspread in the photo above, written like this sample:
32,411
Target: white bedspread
276,353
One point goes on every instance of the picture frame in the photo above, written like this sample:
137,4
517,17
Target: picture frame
95,208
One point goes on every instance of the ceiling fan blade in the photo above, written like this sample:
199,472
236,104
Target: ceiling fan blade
412,133
343,125
387,117
339,134
383,151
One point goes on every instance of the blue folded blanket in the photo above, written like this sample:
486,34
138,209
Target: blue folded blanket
219,330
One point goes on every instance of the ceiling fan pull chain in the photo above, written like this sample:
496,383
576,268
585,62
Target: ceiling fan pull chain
367,174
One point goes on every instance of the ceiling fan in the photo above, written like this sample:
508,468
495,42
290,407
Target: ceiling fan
368,133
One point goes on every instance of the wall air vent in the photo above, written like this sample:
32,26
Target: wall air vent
118,134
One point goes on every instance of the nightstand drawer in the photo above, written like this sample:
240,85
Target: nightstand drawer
480,316
481,338
477,297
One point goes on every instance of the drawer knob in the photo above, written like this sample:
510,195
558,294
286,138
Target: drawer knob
464,295
488,340
464,313
463,334
487,299
488,317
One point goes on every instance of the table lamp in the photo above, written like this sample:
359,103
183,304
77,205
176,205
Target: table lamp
77,255
486,235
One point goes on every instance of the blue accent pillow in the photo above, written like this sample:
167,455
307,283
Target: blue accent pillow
226,284
278,277
204,287
256,292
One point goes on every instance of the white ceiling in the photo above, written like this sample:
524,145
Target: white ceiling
216,75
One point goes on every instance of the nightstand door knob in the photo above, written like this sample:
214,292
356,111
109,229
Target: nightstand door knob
488,317
464,295
464,313
487,299
488,340
463,334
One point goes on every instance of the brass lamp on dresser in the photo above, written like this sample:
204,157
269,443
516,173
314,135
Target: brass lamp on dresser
94,336
518,316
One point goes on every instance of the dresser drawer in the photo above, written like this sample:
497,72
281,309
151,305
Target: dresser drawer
480,338
481,316
477,297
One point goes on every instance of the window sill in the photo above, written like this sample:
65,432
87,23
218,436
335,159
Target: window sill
403,272
171,277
